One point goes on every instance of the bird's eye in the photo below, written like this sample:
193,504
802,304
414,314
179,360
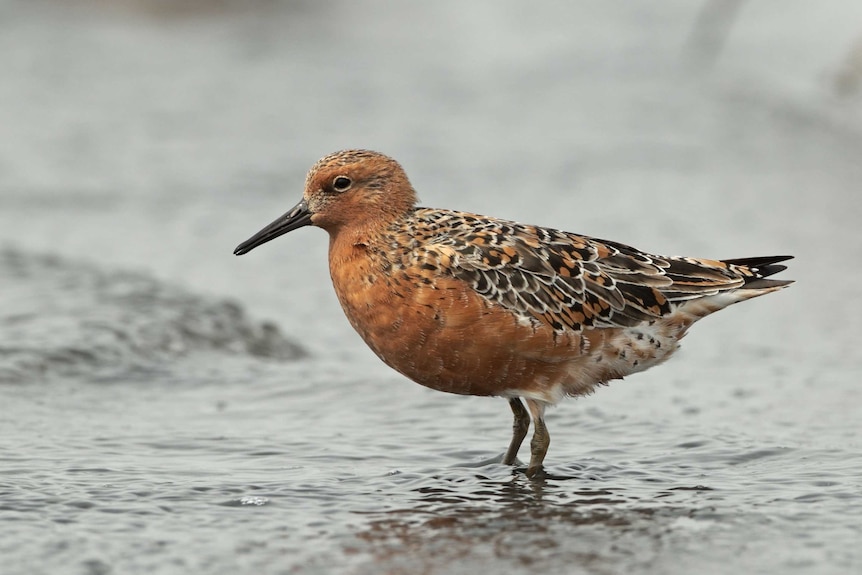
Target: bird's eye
341,183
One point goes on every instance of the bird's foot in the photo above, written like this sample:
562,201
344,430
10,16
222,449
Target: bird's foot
537,472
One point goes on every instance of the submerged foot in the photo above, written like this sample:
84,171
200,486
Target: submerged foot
535,472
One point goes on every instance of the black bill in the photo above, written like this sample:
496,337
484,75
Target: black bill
297,217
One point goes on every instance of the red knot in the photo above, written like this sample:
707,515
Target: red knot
476,305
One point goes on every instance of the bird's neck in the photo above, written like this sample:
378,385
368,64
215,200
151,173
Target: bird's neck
363,234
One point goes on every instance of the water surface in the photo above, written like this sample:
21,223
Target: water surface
168,408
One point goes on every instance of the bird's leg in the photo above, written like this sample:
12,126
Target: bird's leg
519,430
541,439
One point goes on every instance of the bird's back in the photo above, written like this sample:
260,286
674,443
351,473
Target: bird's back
571,281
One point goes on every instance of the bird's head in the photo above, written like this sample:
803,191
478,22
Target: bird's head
351,189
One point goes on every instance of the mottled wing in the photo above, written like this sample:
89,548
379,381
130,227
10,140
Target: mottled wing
566,280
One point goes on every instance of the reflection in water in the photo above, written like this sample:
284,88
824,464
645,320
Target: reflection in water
521,523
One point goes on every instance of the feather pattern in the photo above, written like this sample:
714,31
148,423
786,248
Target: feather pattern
567,281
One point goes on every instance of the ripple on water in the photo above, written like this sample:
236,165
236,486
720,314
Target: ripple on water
65,318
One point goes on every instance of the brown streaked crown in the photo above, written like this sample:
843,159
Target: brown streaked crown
357,188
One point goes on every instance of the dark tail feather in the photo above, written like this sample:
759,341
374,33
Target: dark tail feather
762,267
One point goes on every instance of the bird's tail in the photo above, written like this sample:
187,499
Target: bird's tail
754,273
756,270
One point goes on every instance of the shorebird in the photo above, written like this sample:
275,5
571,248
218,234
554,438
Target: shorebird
476,305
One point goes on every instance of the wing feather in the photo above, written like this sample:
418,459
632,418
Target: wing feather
565,280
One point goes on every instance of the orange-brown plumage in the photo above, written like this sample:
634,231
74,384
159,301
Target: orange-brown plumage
475,305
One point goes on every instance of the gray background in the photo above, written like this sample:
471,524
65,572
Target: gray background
167,407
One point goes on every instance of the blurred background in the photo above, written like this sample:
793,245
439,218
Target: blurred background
165,405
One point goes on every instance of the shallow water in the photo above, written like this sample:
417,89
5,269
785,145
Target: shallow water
166,407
